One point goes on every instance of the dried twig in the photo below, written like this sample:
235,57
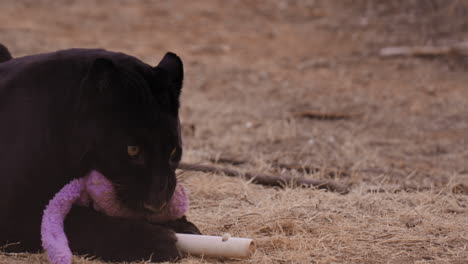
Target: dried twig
323,116
296,167
456,49
307,169
269,180
228,160
403,188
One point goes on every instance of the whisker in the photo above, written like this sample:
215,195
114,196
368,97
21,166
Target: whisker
166,186
180,174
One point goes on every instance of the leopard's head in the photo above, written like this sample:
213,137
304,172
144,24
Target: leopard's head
132,112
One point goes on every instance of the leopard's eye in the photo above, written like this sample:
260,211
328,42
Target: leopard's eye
133,151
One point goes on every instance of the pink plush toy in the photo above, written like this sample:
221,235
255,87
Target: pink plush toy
94,189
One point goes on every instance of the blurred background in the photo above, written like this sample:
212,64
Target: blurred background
298,82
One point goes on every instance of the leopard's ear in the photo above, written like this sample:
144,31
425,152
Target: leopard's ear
173,66
96,86
5,54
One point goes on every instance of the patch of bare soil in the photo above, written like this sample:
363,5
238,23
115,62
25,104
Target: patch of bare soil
251,67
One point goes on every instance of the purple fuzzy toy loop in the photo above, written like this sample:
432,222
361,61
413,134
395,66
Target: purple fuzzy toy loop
94,189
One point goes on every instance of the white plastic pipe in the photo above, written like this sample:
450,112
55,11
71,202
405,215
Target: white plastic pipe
215,246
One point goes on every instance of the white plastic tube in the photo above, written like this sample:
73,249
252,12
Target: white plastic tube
215,246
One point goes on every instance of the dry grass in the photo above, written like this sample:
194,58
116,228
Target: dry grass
250,65
304,226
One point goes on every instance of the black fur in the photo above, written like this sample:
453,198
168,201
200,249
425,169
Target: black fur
65,113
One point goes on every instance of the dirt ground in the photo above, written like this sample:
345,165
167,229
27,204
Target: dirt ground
251,66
